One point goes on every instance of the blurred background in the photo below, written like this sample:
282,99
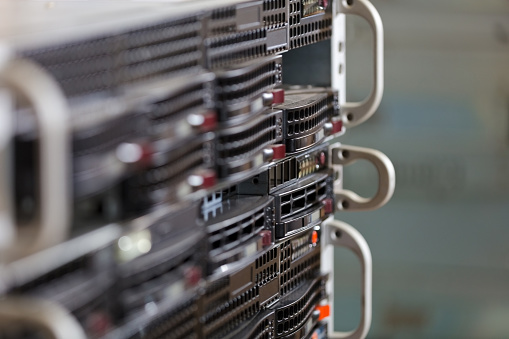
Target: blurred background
441,246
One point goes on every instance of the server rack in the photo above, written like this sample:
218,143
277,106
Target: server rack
160,179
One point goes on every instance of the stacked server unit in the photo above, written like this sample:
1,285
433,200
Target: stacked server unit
199,179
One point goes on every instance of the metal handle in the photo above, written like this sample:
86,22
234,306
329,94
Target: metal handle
50,107
7,224
340,234
40,314
342,155
358,112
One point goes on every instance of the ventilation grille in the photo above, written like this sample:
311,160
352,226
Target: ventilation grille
271,5
283,172
274,13
105,136
295,12
275,20
305,34
159,183
223,13
298,200
250,141
216,293
299,272
82,67
250,84
285,263
294,315
191,100
76,267
160,50
232,48
104,63
235,34
266,267
236,233
304,120
217,286
251,89
264,330
242,299
222,21
307,30
148,275
151,283
230,315
179,323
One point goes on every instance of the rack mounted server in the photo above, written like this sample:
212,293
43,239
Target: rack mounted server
159,179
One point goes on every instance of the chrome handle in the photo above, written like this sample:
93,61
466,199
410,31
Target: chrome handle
340,234
342,155
43,315
50,106
358,112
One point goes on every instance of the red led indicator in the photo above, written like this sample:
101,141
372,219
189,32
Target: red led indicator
279,151
193,276
322,158
209,179
337,126
279,96
266,238
328,206
209,121
98,323
146,154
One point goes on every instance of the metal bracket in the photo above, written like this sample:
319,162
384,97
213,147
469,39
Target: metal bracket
340,234
342,155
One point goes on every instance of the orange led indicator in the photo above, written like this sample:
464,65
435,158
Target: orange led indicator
314,237
324,311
